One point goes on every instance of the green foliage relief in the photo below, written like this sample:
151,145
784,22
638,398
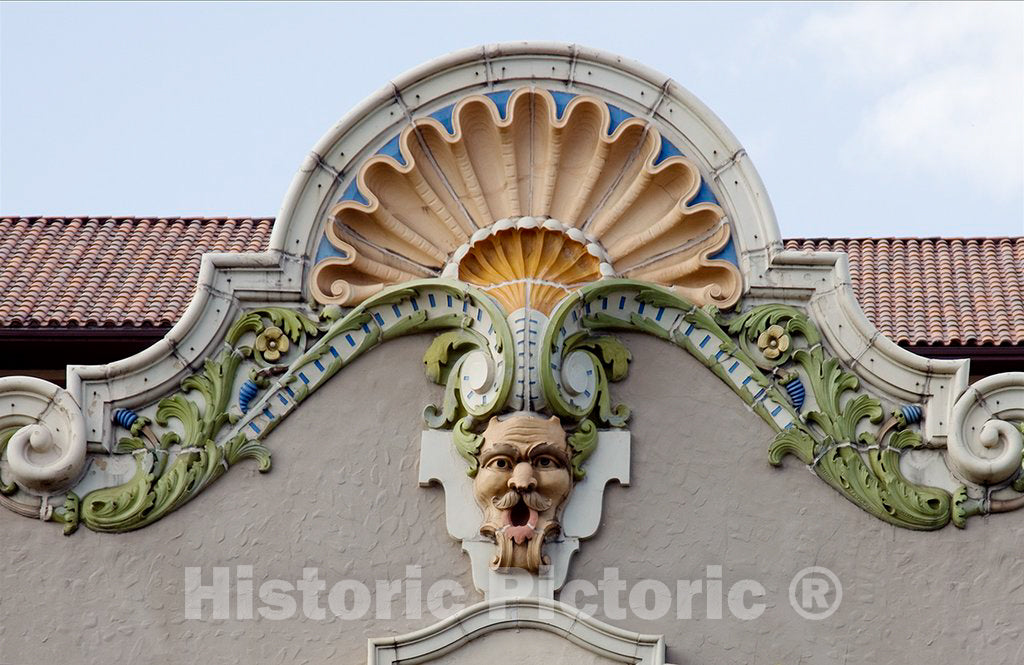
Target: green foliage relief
836,437
841,433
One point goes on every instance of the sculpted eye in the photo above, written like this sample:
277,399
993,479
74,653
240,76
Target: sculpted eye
500,463
546,462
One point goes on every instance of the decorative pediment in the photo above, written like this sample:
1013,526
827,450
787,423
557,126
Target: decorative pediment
522,206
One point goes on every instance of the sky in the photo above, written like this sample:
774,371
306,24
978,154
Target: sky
862,119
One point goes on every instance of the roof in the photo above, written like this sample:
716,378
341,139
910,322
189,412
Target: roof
936,290
122,271
135,272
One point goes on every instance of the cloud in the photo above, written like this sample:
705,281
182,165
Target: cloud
943,84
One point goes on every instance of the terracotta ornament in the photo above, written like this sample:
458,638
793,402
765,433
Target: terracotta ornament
522,484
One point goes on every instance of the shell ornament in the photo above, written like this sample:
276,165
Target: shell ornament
527,200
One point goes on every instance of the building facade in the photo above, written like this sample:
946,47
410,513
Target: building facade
649,430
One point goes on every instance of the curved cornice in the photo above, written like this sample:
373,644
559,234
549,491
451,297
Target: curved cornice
489,616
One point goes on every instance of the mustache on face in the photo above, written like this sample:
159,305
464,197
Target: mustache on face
534,500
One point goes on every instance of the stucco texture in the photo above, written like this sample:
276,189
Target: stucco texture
343,498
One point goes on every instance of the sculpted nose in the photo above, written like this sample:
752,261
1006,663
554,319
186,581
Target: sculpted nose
522,478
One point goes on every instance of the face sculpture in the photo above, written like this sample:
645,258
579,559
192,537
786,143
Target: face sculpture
523,481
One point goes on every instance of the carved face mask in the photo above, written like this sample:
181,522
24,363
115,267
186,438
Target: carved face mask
523,481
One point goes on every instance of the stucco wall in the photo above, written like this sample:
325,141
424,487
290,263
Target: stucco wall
343,498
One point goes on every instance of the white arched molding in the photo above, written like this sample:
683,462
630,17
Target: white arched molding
477,621
228,284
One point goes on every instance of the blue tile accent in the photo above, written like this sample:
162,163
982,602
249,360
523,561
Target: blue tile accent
734,366
704,341
398,312
689,330
268,414
431,300
661,311
500,99
622,302
291,393
465,306
379,318
449,301
392,149
667,150
415,305
326,249
562,100
351,342
747,380
776,411
319,365
444,116
479,314
304,378
640,308
283,400
352,193
727,253
704,194
604,303
721,352
617,116
254,428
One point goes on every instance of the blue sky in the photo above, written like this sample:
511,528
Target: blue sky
863,120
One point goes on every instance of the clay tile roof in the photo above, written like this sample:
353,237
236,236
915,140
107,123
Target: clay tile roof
936,291
65,272
124,272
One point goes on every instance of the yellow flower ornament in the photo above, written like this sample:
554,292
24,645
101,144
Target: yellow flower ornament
773,342
272,342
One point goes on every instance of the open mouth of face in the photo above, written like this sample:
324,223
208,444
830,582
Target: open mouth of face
519,514
520,522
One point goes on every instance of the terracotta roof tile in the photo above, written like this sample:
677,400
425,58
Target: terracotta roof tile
98,271
64,272
964,291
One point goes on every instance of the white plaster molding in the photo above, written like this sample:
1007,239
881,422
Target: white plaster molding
441,464
478,620
227,283
984,446
47,454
